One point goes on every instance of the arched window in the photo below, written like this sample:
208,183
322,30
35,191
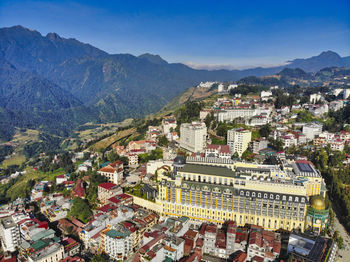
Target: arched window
265,195
253,194
247,193
277,197
259,195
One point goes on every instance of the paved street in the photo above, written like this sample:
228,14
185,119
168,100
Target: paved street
345,253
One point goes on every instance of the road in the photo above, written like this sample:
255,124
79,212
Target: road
345,253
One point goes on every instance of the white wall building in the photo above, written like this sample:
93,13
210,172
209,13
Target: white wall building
232,114
193,136
346,93
315,97
312,130
238,140
118,244
9,234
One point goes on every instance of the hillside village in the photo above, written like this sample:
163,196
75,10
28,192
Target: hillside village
239,175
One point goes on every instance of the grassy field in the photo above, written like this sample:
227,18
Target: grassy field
18,189
16,159
19,140
104,143
93,131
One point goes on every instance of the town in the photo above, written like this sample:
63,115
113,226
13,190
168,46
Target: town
236,176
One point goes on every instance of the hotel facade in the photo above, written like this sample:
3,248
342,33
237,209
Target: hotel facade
247,193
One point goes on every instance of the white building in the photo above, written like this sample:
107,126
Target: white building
118,244
113,172
258,120
238,140
259,144
312,130
9,234
133,159
218,151
221,88
232,86
168,125
206,84
232,114
193,136
265,95
346,93
315,97
53,253
203,114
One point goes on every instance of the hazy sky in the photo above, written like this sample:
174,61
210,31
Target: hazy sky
206,33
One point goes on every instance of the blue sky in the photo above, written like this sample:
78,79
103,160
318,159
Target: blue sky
212,34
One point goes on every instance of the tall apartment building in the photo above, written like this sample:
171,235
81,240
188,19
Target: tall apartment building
238,140
250,194
9,234
193,136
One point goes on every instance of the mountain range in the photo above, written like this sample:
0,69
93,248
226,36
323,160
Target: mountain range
55,84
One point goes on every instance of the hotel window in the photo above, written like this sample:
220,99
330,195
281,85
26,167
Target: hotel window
296,199
259,195
284,198
290,199
253,194
265,195
271,196
247,194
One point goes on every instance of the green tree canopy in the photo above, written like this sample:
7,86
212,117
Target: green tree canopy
81,210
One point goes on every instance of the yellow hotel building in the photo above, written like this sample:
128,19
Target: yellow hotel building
244,192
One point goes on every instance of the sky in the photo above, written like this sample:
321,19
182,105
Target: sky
202,34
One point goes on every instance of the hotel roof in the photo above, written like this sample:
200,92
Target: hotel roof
207,170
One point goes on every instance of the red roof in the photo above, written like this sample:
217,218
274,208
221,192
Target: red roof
211,228
10,259
224,149
107,208
202,230
108,169
107,185
240,257
116,163
190,234
79,190
258,259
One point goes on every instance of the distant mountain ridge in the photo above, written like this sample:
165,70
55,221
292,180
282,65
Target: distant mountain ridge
111,87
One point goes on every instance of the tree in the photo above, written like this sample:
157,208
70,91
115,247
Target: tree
304,116
320,158
247,155
265,130
81,210
221,130
209,119
163,141
276,144
112,156
98,258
